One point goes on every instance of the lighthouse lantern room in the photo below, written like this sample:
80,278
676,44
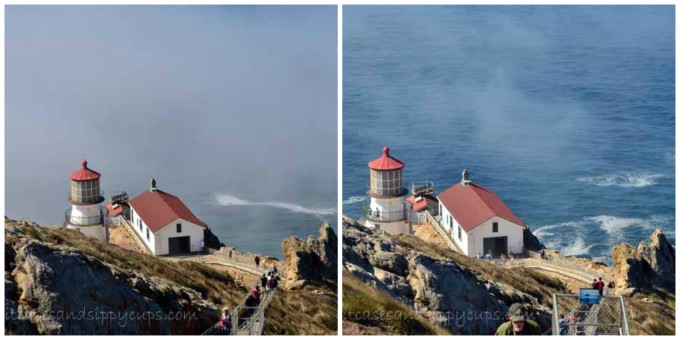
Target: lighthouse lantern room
386,191
86,214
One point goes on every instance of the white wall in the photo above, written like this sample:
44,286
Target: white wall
513,231
391,209
89,210
135,220
390,227
195,232
451,226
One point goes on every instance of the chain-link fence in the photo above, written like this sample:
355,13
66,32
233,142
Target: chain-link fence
571,317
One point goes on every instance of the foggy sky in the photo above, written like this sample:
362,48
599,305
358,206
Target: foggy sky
207,99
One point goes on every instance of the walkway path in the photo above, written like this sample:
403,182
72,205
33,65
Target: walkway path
246,320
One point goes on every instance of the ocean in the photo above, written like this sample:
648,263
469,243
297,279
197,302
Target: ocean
566,112
211,101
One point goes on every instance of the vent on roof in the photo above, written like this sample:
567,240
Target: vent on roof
465,180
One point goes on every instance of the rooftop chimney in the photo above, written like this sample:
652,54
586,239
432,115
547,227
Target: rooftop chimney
465,177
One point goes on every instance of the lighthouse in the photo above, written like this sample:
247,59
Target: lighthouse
86,214
386,209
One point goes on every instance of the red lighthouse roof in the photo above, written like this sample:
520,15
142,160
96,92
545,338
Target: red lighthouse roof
472,205
386,162
84,173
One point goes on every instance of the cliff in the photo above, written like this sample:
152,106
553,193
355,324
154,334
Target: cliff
434,290
58,281
311,261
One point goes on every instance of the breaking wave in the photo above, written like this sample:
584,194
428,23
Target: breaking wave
228,200
354,199
623,179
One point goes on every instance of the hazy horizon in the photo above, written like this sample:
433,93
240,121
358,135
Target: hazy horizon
209,100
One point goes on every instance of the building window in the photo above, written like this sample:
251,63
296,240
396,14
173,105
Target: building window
139,221
147,234
494,227
179,227
460,233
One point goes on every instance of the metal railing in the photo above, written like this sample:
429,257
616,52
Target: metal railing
84,221
608,317
592,274
384,217
442,232
246,320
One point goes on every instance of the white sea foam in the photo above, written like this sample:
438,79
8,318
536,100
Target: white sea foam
229,200
614,225
623,179
354,199
549,230
577,247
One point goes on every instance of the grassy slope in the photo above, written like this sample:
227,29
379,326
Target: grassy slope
370,307
300,312
644,317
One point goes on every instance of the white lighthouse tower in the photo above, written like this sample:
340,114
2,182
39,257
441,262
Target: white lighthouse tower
86,214
386,210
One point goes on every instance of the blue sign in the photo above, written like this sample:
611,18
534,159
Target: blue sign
588,296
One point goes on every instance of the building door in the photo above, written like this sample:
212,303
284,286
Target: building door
497,246
179,245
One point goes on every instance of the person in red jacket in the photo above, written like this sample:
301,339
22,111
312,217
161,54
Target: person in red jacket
600,286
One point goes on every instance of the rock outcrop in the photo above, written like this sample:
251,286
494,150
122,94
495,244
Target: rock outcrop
311,261
651,265
442,290
53,289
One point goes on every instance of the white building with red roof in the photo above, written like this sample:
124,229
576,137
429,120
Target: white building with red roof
478,220
386,209
165,224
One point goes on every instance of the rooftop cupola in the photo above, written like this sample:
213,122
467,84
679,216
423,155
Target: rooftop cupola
465,178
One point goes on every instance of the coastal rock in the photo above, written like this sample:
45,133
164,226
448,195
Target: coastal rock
58,290
651,265
442,290
314,260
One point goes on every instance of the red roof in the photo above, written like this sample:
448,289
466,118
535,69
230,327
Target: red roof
157,209
114,210
472,205
417,205
84,173
386,162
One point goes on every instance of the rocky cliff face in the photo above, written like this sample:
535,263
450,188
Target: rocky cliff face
314,260
445,291
651,265
55,289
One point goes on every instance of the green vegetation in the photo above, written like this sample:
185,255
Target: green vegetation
368,306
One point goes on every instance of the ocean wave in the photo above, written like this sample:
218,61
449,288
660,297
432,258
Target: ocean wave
544,231
229,200
623,179
578,247
354,199
613,225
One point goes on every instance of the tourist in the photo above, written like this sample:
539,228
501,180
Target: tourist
203,246
275,270
479,256
225,321
562,324
600,286
263,280
488,255
519,323
594,284
230,254
511,255
503,259
257,261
